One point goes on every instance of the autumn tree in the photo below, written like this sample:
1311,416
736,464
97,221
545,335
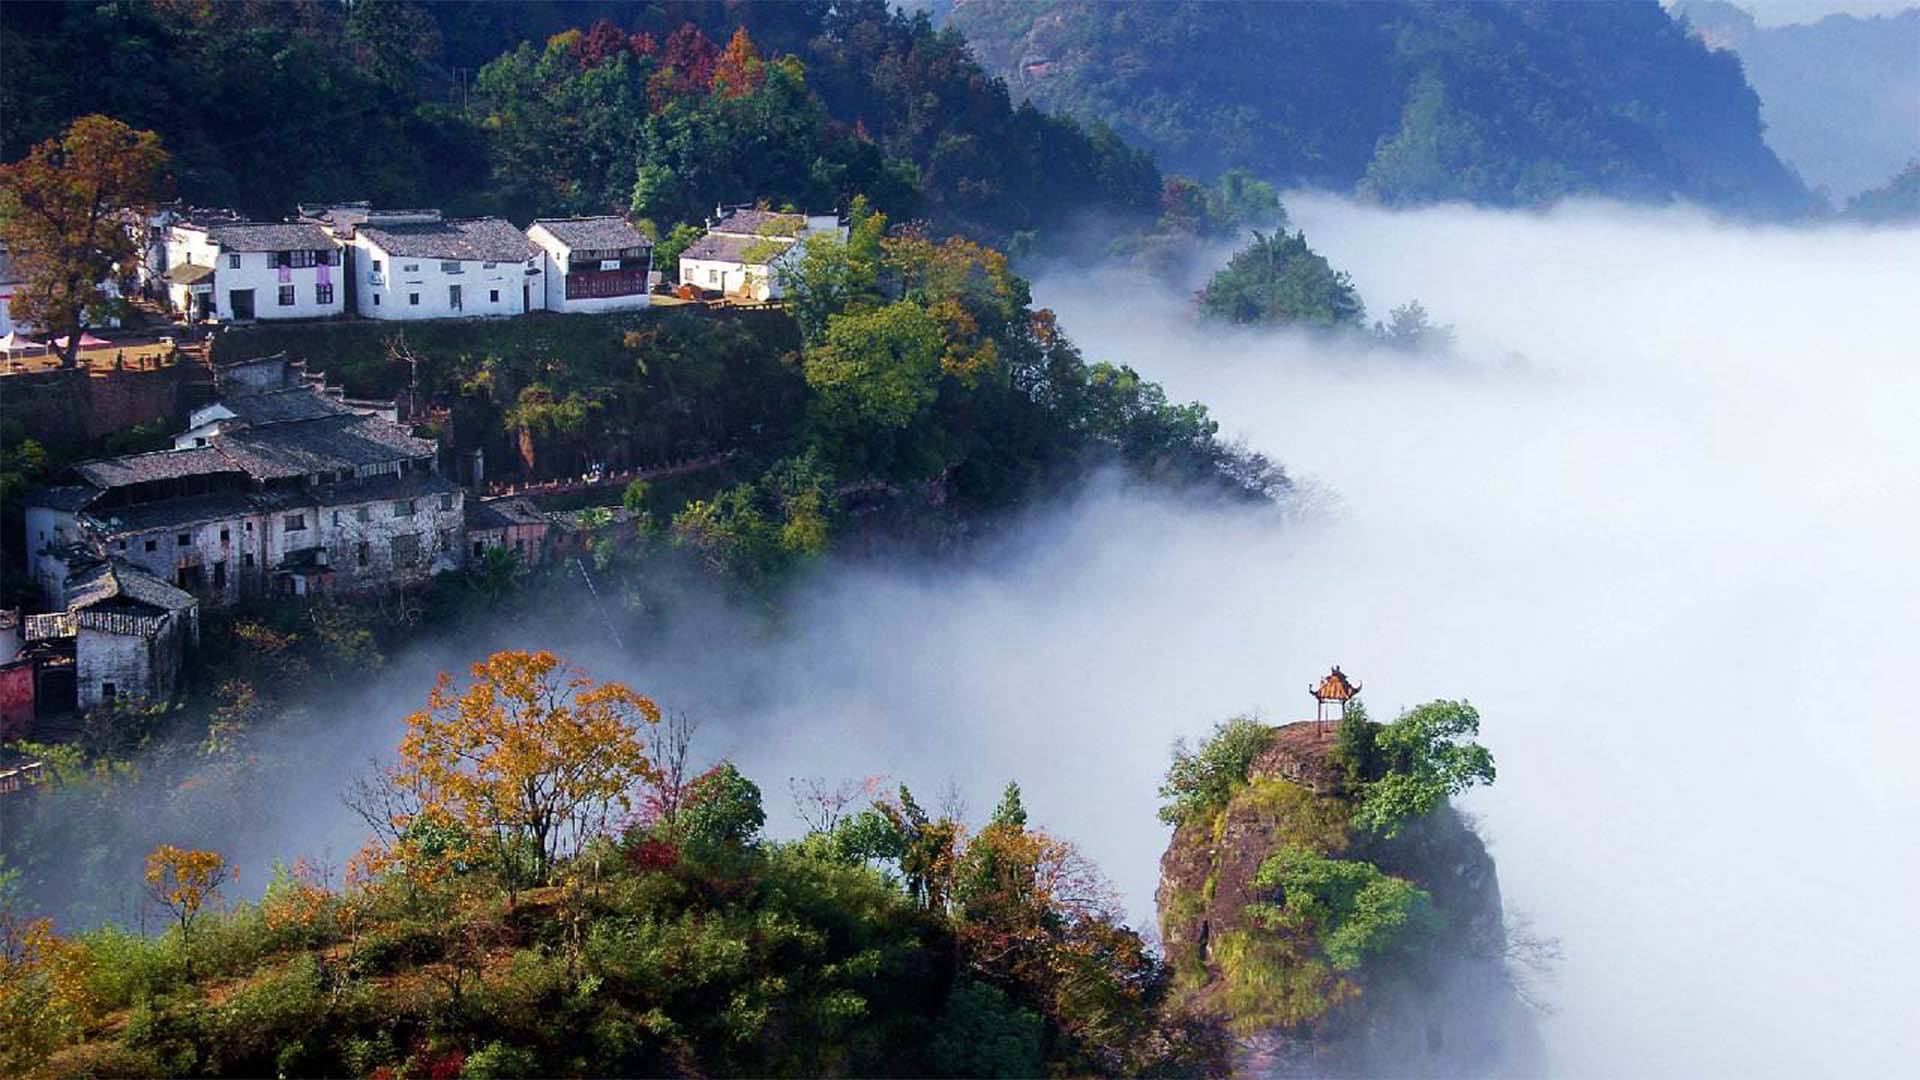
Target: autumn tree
47,995
532,753
739,71
60,210
184,881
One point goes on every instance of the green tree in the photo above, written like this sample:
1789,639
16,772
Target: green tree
832,276
721,813
981,1032
1423,760
880,367
1201,781
1408,328
1352,909
1279,279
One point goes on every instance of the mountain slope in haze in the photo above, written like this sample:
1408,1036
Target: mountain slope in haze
1499,104
1840,97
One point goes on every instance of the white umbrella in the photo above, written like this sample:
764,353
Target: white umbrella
13,343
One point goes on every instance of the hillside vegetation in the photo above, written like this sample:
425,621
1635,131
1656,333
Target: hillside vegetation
580,107
1502,104
553,890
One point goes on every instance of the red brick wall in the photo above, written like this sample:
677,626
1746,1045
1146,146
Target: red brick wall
16,699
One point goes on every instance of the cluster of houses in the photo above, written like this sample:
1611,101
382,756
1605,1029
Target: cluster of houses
282,486
349,258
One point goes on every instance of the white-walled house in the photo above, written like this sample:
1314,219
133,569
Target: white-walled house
593,263
9,280
744,249
238,271
446,270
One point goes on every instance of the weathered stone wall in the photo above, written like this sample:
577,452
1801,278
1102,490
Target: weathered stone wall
140,667
66,406
392,549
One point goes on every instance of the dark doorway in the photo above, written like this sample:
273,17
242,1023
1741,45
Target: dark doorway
240,303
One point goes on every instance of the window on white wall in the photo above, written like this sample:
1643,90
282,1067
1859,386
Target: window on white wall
233,261
286,296
413,298
493,296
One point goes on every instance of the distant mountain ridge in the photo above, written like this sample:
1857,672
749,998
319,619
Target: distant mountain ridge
1840,97
1514,104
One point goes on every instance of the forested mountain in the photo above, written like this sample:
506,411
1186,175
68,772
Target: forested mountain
1840,97
1502,104
555,108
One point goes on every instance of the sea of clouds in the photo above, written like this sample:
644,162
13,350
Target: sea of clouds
1654,515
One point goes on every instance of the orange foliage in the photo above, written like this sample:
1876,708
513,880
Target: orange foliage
531,750
59,208
46,993
739,71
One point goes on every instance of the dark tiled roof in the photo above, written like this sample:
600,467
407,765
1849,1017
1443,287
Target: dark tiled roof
760,223
482,517
594,233
110,581
322,445
255,236
195,510
159,465
481,239
733,249
64,496
282,406
518,510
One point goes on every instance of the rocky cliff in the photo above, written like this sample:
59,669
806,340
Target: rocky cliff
1336,952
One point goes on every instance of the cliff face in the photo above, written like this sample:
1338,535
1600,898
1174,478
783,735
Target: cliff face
1436,1002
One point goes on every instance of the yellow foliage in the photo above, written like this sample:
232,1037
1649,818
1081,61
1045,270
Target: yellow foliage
184,879
531,749
46,994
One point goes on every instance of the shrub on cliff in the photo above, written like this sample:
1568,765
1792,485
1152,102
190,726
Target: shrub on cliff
1201,781
1417,762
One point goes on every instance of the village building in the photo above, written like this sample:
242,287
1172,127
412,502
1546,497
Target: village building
9,281
509,523
746,251
211,265
125,632
593,263
445,269
280,487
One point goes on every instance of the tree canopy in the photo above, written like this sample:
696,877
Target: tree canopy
61,213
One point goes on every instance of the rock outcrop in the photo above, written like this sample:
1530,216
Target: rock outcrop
1443,1006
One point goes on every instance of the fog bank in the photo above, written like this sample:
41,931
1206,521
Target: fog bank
1657,521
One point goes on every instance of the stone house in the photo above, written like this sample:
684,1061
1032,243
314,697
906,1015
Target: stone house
132,632
510,522
745,250
446,270
215,267
593,263
278,488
